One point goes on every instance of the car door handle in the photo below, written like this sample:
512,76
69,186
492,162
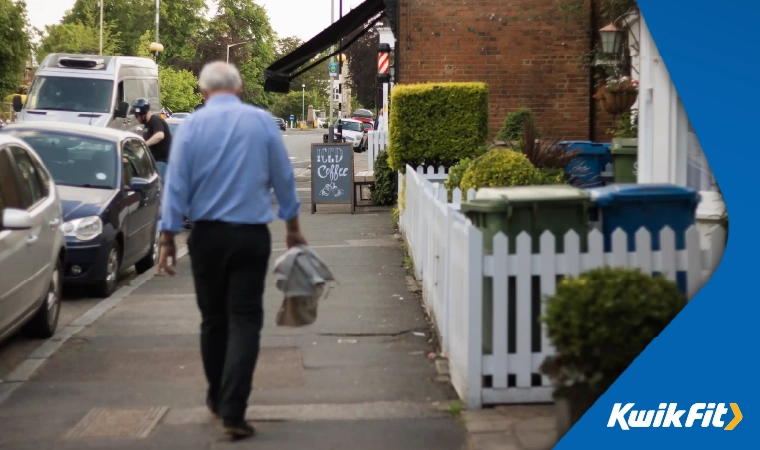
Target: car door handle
31,240
54,223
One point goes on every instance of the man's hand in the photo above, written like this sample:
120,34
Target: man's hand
293,238
168,255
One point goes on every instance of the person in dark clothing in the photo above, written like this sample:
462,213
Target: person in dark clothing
157,134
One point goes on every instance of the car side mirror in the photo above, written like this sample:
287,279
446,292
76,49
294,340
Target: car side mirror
121,111
16,219
139,184
17,104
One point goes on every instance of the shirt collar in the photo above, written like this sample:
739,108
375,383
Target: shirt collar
223,99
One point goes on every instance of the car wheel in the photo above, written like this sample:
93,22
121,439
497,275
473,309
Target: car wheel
104,288
44,323
151,259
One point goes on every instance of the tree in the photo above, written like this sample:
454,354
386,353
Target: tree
178,89
294,102
362,67
77,38
240,21
132,18
316,78
14,45
180,20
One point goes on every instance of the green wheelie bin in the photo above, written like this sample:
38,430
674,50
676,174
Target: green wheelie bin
625,153
533,209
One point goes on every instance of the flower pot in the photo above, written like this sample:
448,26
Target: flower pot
571,405
618,102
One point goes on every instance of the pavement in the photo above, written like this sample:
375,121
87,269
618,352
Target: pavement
127,374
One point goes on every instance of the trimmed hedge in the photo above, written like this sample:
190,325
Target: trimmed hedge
500,167
436,123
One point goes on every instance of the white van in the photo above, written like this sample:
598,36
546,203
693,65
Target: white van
90,90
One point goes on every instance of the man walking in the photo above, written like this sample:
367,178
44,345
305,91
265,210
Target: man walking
224,160
157,134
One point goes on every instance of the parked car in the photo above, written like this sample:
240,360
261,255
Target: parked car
32,245
110,193
180,115
280,123
173,123
354,132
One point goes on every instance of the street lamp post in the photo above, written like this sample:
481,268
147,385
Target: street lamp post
235,45
303,102
101,28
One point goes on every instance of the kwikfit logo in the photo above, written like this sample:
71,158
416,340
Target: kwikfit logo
668,415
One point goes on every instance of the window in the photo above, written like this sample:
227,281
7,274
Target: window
352,126
698,175
153,95
10,197
143,88
139,159
70,94
73,160
32,191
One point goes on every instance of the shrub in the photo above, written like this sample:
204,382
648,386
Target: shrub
385,189
437,123
512,129
551,176
601,321
455,174
499,167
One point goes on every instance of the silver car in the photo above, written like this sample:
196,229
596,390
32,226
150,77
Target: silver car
32,244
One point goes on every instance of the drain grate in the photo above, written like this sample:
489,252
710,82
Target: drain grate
117,423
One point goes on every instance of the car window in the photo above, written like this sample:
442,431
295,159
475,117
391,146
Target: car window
74,160
351,126
139,158
32,190
10,197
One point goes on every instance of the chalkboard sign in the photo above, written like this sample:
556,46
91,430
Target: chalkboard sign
332,175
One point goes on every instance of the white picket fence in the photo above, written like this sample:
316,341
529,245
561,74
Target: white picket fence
448,256
377,142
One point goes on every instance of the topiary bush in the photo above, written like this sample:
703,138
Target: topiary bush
437,124
512,130
601,321
385,189
499,167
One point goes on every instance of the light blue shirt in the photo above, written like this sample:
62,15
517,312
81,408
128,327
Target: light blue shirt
224,160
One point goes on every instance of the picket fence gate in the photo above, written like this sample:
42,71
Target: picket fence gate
377,141
448,256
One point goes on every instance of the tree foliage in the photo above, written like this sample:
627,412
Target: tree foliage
14,45
362,67
316,79
130,18
178,89
78,37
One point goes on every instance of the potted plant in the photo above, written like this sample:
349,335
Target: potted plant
598,324
618,94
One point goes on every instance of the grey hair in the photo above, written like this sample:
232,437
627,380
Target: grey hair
220,76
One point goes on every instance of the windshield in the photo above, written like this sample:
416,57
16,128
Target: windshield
180,115
74,160
70,94
352,126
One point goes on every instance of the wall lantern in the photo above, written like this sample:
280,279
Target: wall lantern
612,39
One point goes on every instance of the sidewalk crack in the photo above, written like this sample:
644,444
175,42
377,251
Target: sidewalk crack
396,334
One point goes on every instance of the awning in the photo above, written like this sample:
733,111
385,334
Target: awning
279,75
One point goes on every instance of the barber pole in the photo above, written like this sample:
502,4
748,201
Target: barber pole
383,63
383,66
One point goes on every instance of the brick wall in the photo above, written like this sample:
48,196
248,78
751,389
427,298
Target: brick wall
526,50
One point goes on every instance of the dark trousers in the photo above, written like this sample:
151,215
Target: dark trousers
229,264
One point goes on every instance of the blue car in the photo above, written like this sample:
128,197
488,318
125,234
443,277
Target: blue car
110,195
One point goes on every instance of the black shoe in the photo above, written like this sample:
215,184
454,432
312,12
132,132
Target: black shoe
238,429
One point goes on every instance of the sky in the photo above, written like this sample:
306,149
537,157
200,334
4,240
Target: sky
302,18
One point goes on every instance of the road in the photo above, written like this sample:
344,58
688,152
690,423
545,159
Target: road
76,301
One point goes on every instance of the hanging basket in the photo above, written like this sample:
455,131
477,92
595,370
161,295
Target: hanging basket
617,103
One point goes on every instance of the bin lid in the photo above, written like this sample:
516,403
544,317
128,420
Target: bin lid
519,194
624,146
587,147
632,192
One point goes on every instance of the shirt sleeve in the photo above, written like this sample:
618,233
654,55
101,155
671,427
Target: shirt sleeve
281,175
177,184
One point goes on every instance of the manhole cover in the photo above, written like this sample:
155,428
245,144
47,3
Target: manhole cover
117,423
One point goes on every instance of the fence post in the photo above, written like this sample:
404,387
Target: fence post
474,282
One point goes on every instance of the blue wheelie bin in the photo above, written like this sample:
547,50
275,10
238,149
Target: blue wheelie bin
652,206
587,167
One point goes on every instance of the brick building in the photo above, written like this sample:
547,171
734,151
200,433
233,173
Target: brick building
530,52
